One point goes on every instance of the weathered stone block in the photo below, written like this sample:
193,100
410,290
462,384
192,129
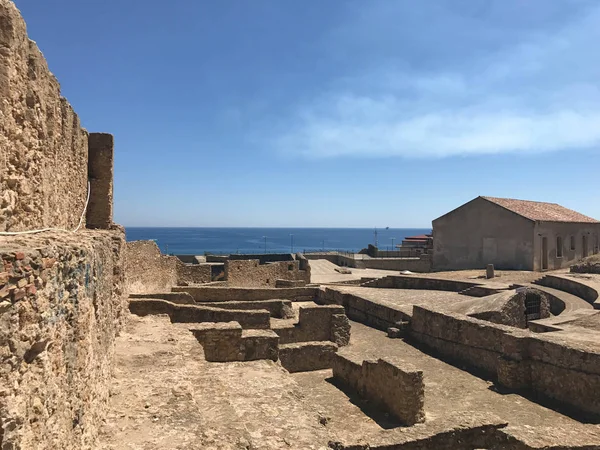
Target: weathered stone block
307,356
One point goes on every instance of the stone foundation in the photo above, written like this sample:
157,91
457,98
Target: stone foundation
280,309
259,319
566,372
317,323
398,388
225,342
223,294
307,356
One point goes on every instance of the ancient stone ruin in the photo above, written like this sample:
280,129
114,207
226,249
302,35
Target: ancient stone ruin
114,345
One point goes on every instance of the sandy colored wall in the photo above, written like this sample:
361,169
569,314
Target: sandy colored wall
147,270
44,157
60,309
565,371
551,230
389,383
317,323
249,273
223,294
193,273
481,233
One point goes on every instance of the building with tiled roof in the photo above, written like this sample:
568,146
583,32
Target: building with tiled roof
513,235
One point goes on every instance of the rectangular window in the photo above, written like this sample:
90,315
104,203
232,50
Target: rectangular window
559,247
572,242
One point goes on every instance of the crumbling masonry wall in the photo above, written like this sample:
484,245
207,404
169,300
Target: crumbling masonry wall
249,273
61,307
566,371
43,148
148,270
390,383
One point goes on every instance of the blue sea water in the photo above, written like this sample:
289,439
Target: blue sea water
198,241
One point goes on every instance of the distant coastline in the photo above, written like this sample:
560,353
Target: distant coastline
198,241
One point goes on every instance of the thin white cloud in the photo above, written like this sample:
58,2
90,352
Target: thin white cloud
537,96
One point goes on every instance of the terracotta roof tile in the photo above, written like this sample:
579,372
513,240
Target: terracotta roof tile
541,211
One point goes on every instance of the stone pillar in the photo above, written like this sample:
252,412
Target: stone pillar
490,271
100,176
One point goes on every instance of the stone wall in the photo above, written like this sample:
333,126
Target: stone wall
307,356
377,315
390,383
148,270
249,273
259,319
223,342
188,274
421,283
564,370
44,157
280,309
222,294
61,306
421,264
317,323
570,285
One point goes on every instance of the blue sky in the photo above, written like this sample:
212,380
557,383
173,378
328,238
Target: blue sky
337,113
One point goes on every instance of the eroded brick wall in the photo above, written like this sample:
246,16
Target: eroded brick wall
61,307
43,148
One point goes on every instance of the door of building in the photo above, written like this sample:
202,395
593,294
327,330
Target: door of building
585,245
544,253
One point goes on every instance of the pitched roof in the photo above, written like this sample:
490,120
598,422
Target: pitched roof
541,211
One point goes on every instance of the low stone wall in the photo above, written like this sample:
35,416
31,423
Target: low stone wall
377,315
420,265
317,323
224,342
193,273
180,298
222,294
289,283
570,285
61,306
250,273
566,371
197,314
394,385
422,283
307,356
280,309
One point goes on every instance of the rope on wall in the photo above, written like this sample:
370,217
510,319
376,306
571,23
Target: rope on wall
43,230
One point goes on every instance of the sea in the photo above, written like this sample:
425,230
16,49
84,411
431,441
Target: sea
199,241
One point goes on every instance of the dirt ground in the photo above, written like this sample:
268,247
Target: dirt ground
166,396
